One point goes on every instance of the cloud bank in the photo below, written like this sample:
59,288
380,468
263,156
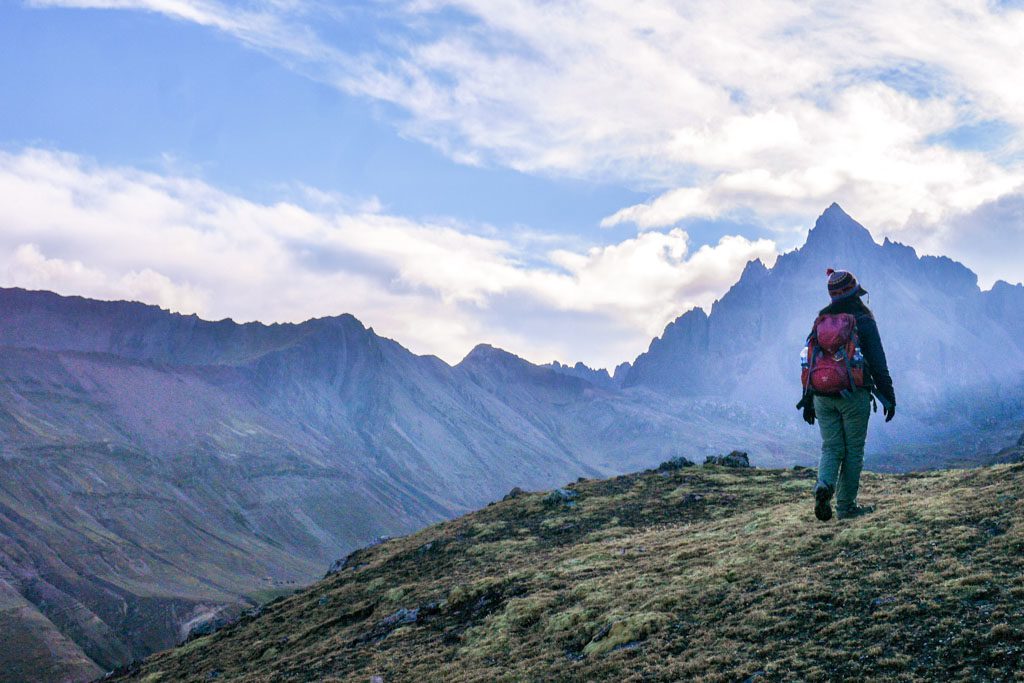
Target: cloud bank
908,114
76,227
775,108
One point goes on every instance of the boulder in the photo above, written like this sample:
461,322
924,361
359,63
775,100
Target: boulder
561,497
350,560
401,616
205,625
673,464
734,459
514,493
338,565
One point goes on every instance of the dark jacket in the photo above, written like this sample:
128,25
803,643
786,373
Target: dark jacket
877,375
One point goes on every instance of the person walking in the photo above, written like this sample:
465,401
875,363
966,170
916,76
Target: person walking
844,369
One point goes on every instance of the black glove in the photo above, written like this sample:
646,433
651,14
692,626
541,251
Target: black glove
809,413
890,411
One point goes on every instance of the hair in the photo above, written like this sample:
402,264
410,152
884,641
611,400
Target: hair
853,304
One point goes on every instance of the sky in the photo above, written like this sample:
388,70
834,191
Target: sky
560,179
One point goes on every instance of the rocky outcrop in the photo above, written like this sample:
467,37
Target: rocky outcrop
516,492
673,464
733,459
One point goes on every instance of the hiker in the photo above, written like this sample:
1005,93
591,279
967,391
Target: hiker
844,370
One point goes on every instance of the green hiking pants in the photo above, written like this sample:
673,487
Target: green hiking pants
844,428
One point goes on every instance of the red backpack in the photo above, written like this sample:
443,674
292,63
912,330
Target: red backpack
834,362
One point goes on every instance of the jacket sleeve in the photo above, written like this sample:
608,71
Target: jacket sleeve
874,354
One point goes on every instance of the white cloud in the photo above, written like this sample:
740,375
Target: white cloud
776,108
30,268
988,239
76,227
870,153
652,278
271,25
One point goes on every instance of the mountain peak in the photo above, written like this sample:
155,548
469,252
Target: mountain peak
836,228
835,219
754,268
491,354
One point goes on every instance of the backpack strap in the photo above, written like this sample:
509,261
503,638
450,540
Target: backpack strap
810,366
849,370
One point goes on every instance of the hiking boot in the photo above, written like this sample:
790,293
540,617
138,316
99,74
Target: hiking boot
855,511
823,501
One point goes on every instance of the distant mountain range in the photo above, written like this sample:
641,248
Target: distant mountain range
158,469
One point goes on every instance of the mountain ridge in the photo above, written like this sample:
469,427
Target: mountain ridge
287,446
944,336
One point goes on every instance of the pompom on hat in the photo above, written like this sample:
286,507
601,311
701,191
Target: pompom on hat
842,285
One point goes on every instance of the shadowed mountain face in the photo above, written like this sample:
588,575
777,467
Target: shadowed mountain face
158,470
956,353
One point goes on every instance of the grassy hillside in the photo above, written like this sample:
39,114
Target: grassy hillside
707,574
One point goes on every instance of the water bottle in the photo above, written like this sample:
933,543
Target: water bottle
803,358
858,357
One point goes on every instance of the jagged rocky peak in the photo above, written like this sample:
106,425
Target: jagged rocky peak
488,356
754,269
926,302
754,274
1005,288
621,370
693,320
487,352
837,232
894,246
598,377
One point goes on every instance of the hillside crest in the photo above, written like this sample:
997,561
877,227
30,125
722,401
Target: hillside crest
712,573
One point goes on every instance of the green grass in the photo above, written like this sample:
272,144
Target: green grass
704,574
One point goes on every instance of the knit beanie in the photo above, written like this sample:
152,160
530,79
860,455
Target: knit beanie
842,285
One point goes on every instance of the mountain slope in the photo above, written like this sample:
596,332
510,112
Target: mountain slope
694,574
160,470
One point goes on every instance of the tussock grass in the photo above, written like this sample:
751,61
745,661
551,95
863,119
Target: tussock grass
704,574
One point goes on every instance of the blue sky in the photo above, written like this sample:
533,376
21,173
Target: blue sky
138,89
558,179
